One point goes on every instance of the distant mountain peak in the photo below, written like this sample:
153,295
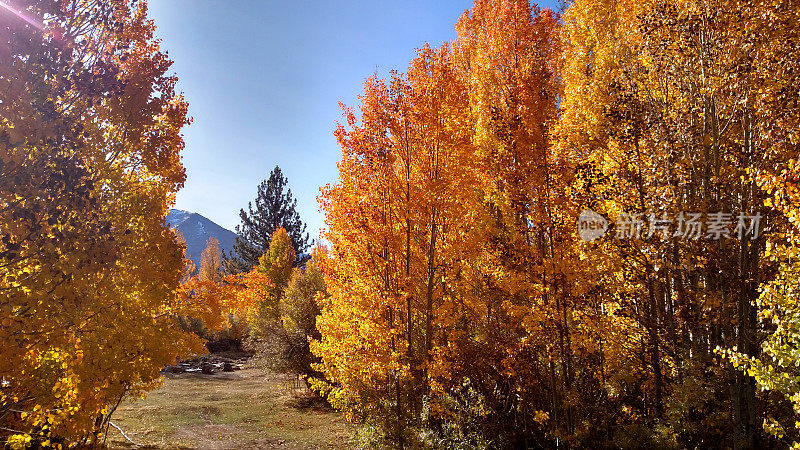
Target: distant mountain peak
196,229
177,216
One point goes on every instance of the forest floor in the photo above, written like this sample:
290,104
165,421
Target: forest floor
245,409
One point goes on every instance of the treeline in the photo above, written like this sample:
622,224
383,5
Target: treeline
267,288
465,309
558,230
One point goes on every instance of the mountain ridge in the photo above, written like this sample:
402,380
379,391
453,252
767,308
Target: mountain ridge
196,229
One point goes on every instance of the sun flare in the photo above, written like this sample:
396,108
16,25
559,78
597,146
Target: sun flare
19,14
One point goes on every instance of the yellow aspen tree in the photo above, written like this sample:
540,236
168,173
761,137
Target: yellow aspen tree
89,163
211,262
662,99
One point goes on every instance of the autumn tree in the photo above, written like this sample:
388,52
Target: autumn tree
274,208
210,262
287,349
449,188
208,279
526,285
277,262
666,103
651,107
771,35
279,301
89,163
275,268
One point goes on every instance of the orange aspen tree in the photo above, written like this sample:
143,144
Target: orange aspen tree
211,262
532,290
399,222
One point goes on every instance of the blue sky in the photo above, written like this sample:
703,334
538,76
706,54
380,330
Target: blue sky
264,78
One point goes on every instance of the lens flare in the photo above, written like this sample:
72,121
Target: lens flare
19,14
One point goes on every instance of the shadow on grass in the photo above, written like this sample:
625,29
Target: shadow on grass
308,401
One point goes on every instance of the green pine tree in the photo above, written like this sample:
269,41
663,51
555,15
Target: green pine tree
274,208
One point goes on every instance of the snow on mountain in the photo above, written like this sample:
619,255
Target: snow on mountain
196,230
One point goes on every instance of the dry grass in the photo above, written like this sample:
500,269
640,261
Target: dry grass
242,410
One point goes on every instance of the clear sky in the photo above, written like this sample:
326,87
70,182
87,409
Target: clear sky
264,77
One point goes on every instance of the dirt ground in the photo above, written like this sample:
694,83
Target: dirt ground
246,409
